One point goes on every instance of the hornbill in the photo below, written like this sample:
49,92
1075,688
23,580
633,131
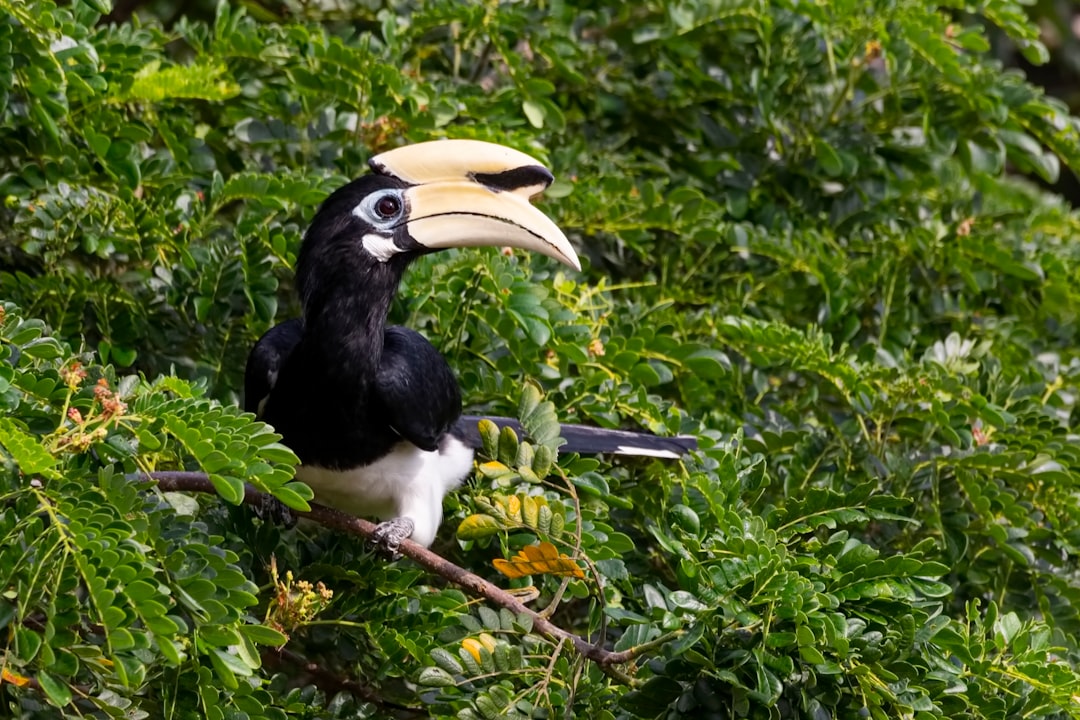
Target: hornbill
372,410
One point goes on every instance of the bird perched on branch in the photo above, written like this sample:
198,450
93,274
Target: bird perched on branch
372,410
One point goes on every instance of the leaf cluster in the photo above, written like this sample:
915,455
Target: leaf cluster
808,240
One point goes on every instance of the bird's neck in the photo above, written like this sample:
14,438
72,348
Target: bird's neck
345,319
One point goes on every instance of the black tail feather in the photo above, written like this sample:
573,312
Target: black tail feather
589,440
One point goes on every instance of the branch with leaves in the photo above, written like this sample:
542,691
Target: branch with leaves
472,583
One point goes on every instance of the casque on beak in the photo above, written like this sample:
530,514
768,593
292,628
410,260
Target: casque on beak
469,193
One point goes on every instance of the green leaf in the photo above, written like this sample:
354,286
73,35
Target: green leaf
645,374
534,111
226,668
529,401
295,495
1007,628
708,363
508,446
593,484
435,677
231,489
811,655
28,643
828,158
446,661
45,348
99,143
276,452
59,693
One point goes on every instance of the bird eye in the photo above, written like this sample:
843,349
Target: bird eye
387,207
382,209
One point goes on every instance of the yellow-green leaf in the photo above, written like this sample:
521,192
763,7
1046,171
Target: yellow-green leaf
478,526
534,111
513,508
495,470
530,507
489,436
29,454
199,82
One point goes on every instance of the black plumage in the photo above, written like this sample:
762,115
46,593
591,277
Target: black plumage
347,388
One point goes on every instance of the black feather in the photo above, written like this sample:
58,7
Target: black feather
588,440
265,361
417,388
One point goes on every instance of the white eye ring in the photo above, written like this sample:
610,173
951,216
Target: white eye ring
382,209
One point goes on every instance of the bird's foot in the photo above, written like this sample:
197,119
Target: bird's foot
388,535
274,511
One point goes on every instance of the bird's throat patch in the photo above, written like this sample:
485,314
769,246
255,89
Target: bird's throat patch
380,247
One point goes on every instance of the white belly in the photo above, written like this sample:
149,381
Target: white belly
408,482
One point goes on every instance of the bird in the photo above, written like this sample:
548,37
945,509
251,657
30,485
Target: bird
372,410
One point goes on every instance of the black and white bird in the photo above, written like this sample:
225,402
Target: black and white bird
372,410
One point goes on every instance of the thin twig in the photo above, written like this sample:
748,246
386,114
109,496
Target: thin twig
474,584
480,64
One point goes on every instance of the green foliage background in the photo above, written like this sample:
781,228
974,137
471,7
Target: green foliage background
801,244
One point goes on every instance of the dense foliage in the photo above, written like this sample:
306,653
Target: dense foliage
801,244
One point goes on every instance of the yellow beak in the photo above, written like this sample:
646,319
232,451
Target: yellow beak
468,193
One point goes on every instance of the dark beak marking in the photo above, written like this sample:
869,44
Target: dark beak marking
510,180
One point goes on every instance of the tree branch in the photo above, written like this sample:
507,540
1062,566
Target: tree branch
433,562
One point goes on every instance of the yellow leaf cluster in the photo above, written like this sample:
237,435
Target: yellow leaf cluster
541,559
508,512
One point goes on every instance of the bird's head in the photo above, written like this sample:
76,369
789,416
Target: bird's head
431,196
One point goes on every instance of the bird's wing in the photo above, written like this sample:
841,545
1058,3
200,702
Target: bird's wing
417,388
590,440
265,361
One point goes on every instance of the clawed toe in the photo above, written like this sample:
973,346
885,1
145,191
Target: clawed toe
388,535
